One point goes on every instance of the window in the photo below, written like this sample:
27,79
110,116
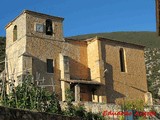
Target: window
49,29
122,60
66,64
50,68
15,33
39,27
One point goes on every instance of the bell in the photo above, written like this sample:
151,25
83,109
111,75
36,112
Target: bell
49,29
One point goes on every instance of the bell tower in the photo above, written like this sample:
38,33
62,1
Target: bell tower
158,17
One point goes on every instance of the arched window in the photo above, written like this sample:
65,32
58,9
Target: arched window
15,33
49,29
122,60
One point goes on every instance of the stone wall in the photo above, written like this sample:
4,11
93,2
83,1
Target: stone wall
17,114
93,60
20,22
128,85
78,63
95,65
33,18
94,107
15,48
88,60
98,108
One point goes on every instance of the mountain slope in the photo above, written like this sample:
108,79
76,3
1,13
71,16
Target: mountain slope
148,39
2,52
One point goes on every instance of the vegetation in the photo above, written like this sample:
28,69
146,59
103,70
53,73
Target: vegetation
29,96
2,52
134,106
79,110
152,57
137,105
147,39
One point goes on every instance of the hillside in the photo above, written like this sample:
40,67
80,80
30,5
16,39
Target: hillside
152,61
2,52
148,39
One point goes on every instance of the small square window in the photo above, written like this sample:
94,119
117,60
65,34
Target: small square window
39,28
66,64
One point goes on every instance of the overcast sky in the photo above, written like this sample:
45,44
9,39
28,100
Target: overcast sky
87,16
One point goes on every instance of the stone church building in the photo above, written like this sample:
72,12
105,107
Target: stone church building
96,69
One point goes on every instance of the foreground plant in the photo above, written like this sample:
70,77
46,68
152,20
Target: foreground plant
30,96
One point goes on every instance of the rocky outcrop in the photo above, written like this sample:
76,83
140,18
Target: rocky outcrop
152,60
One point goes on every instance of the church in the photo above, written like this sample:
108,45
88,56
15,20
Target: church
96,69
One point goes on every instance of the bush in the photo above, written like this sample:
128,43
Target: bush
134,105
137,105
29,96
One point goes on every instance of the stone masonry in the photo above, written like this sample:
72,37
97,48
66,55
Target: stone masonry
91,68
17,114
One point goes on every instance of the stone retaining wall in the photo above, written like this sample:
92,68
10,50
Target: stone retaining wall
96,108
16,114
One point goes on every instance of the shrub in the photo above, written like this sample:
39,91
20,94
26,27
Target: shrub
134,105
29,96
